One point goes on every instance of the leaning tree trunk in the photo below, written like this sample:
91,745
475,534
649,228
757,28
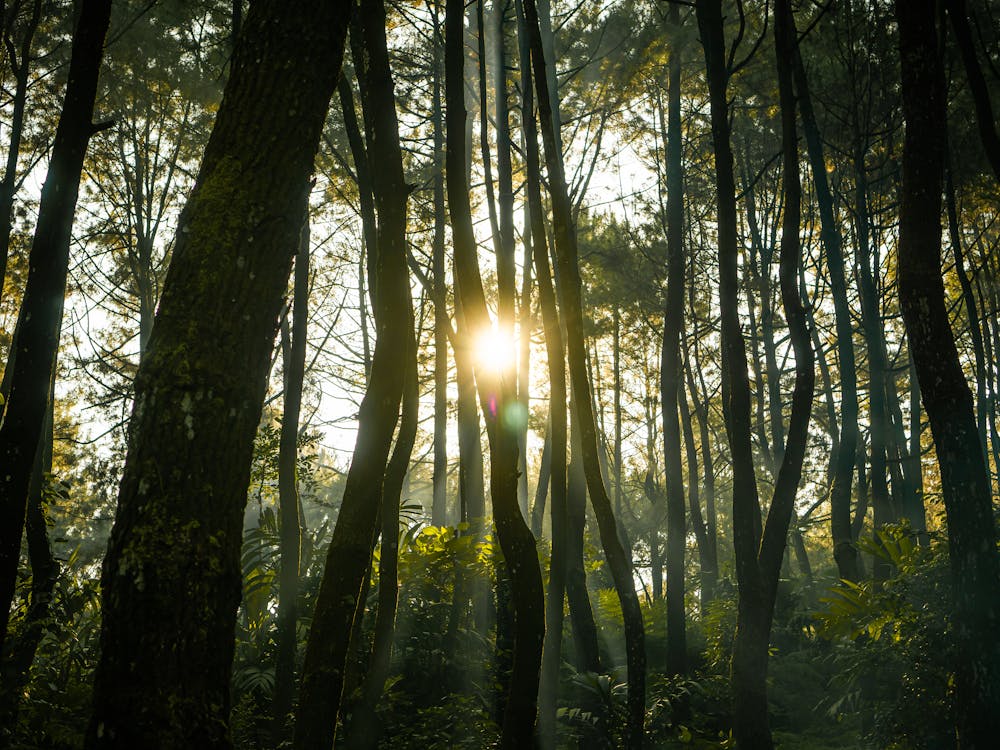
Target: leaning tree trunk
349,557
171,577
33,355
495,393
965,484
569,283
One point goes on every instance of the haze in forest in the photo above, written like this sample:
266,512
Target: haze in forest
503,373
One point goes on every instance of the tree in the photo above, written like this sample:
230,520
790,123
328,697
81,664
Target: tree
496,393
171,577
33,355
349,557
975,567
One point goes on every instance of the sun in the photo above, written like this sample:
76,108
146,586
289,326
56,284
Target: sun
494,350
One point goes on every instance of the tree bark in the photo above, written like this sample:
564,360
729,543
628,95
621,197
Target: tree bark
569,294
975,569
556,439
33,356
496,392
349,557
171,578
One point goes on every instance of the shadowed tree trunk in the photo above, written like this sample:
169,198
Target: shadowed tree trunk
496,392
556,439
32,358
845,551
349,556
293,347
171,577
759,553
569,285
975,569
671,368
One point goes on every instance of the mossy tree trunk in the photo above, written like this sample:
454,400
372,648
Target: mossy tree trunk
171,577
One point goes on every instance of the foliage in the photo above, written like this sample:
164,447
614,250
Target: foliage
892,645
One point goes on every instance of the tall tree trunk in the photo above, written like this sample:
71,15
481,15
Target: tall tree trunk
364,730
569,295
439,502
349,556
671,368
290,538
556,439
975,568
171,577
40,317
495,393
871,323
845,550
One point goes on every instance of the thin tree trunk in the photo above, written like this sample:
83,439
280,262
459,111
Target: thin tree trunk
20,64
364,729
671,367
845,551
290,539
965,484
19,652
569,294
40,317
556,439
171,577
495,392
349,556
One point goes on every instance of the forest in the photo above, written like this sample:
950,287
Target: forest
499,374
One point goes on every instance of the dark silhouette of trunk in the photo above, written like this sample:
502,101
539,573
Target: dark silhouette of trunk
544,478
871,323
708,466
495,392
581,612
293,348
958,12
19,650
569,296
671,367
171,577
32,358
439,480
965,485
845,549
556,439
364,729
19,59
349,557
758,554
471,489
708,564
